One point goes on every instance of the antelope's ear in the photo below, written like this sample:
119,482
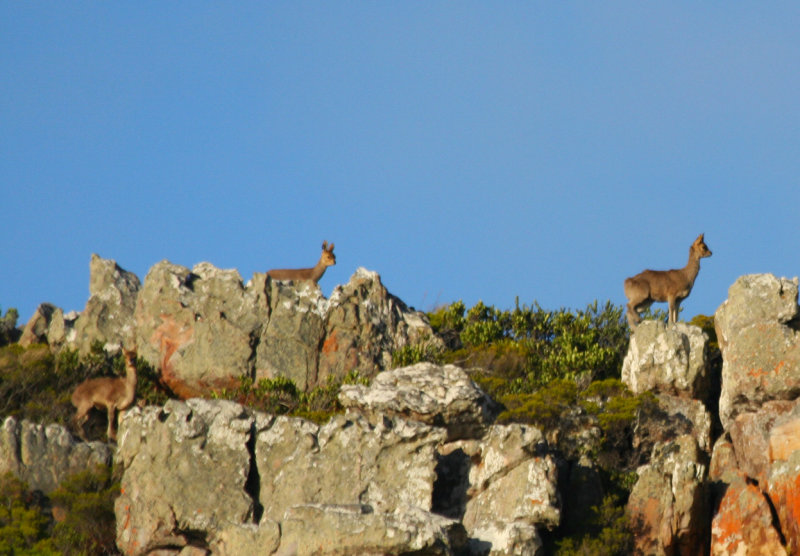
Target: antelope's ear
330,249
324,245
700,237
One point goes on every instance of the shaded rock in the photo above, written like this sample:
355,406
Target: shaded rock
668,505
668,359
442,396
743,523
760,344
671,418
347,461
43,456
186,470
365,324
580,492
35,332
784,492
108,315
61,330
512,481
355,530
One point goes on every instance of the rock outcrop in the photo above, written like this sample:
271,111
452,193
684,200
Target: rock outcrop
204,329
44,455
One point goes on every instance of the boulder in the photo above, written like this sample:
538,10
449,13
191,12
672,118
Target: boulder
365,324
783,488
750,434
442,396
512,489
669,506
186,469
311,529
35,332
108,315
346,461
668,359
289,343
197,326
743,523
760,342
670,418
43,456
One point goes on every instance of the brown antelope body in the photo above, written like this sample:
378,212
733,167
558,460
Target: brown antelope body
314,274
672,286
111,394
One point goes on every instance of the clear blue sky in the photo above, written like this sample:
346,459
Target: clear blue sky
463,150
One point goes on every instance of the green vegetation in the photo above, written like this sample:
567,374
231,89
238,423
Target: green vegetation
78,518
37,385
281,396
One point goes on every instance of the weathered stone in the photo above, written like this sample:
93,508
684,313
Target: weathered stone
312,529
346,461
669,359
752,299
61,330
249,538
743,523
511,480
506,539
108,315
669,503
186,469
750,434
784,492
35,332
289,343
441,396
760,344
671,418
365,324
43,456
198,327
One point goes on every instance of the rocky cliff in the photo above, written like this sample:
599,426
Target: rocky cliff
417,464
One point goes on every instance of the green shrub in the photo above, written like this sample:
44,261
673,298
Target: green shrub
608,533
8,327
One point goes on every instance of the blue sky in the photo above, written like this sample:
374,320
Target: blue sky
463,150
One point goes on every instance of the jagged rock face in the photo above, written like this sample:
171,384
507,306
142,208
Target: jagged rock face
212,474
108,315
760,342
669,503
346,461
441,396
186,471
667,358
365,323
43,456
35,332
510,491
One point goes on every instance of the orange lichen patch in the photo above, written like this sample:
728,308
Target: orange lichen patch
331,343
757,373
743,524
783,440
784,491
779,367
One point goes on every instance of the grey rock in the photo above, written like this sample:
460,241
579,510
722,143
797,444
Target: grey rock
669,359
108,315
35,332
441,396
347,461
186,467
760,342
669,503
44,455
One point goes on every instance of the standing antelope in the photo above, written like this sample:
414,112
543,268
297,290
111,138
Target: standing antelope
113,394
672,286
326,259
